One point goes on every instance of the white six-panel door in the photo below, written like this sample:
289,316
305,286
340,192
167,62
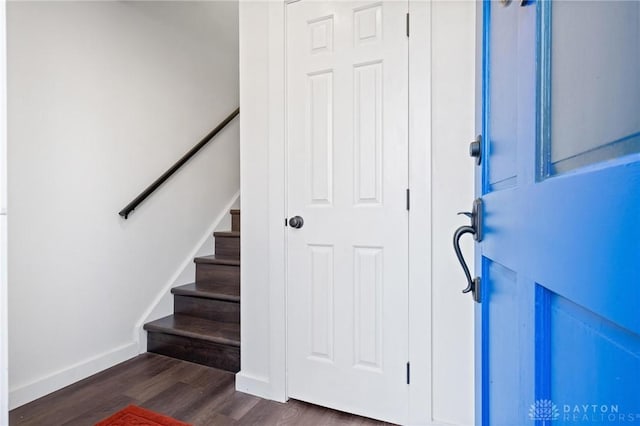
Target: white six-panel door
347,138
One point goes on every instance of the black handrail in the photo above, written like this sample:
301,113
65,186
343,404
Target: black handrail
125,212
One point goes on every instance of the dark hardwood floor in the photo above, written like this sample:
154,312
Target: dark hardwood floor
189,392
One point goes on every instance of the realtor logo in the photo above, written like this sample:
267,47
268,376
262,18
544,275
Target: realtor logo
543,409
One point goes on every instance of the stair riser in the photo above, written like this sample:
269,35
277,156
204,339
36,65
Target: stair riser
194,350
235,222
223,274
215,310
228,246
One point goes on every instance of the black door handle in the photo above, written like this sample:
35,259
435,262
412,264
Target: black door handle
475,229
472,284
296,222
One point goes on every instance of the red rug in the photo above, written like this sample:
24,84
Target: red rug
136,416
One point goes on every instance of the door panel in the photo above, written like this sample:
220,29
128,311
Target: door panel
502,328
503,104
347,137
574,329
559,330
321,137
321,303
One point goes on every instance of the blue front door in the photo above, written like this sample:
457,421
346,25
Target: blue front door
558,323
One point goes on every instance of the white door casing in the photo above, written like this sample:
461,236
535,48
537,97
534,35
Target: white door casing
347,267
4,362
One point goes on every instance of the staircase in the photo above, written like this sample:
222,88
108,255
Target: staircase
205,325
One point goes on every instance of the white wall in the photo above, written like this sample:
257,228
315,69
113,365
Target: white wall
453,127
103,97
451,29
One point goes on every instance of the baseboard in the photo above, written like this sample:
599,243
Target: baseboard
156,309
257,386
52,382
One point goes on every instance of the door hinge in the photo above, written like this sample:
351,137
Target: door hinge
408,199
408,373
475,149
407,24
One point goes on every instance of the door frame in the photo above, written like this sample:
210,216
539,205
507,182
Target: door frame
4,328
420,220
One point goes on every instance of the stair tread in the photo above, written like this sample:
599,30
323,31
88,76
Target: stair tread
221,291
218,260
229,234
225,333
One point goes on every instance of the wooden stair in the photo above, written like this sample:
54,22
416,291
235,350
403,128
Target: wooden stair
205,325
